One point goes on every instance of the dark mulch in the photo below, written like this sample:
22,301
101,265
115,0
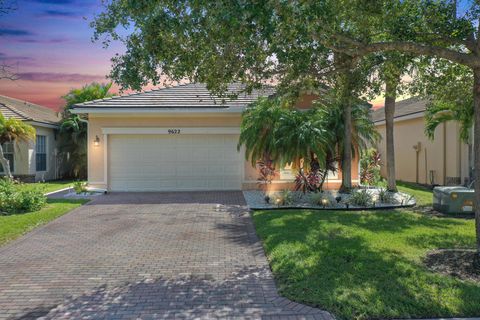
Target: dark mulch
427,210
460,263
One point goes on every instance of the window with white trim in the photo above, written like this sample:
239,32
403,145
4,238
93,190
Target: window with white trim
9,155
41,153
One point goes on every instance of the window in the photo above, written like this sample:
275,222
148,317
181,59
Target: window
41,153
8,153
287,173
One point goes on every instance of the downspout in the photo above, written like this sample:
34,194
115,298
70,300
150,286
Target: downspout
460,144
444,153
88,141
417,149
426,166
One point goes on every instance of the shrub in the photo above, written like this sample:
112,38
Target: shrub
370,168
361,198
267,172
283,198
319,199
385,196
14,199
80,187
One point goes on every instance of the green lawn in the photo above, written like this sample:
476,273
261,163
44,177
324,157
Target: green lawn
364,265
15,225
422,194
49,186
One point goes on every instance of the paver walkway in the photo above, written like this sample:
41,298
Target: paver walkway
145,256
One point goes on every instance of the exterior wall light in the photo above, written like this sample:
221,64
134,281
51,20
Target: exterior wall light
96,142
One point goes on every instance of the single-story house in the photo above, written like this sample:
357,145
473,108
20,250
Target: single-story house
37,160
174,139
446,160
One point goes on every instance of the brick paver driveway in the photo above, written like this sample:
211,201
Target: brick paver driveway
144,256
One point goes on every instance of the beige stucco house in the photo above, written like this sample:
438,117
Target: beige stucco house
174,139
446,160
36,160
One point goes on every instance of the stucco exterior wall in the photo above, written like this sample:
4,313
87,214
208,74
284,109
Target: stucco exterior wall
25,161
446,157
96,156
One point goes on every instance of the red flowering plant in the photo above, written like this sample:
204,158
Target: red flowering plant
313,178
267,172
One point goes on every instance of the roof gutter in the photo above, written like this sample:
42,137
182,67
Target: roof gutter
42,124
155,110
413,115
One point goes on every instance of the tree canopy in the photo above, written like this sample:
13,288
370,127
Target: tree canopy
296,44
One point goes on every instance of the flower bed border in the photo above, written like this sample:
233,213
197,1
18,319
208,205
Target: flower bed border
255,206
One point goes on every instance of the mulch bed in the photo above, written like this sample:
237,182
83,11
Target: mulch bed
459,263
427,210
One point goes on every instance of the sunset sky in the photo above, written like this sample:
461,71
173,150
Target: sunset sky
49,44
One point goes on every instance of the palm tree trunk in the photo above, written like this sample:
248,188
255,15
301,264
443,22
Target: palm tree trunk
390,98
476,148
5,164
347,148
344,82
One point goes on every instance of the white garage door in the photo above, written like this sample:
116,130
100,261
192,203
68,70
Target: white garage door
174,162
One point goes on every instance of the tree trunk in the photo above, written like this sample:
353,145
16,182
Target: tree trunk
5,164
476,155
345,82
347,148
390,97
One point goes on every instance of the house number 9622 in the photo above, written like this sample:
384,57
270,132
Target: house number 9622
173,131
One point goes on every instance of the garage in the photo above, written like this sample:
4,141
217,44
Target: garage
174,162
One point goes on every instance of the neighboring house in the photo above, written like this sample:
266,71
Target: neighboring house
173,139
444,160
37,160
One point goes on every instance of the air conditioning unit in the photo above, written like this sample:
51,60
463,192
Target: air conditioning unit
454,200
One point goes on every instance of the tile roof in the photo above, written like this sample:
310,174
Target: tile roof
26,111
192,95
403,108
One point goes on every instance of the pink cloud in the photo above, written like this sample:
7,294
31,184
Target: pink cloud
60,77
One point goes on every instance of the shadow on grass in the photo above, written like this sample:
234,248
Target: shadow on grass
67,201
343,263
440,241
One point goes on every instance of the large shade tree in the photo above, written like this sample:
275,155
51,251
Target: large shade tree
219,42
444,29
13,131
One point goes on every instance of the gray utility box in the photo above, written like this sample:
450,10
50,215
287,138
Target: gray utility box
453,199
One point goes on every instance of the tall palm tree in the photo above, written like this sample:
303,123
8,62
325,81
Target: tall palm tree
13,130
73,129
272,127
363,129
438,112
257,130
